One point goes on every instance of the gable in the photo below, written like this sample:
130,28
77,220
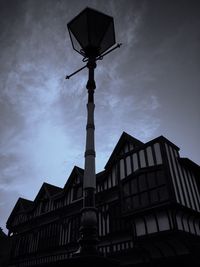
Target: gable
72,189
75,177
52,189
125,144
43,193
47,191
21,206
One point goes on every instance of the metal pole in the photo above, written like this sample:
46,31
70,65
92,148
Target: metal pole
88,229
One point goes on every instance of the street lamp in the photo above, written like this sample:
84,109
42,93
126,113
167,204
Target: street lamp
92,35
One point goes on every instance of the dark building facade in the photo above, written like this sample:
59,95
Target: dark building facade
148,205
4,249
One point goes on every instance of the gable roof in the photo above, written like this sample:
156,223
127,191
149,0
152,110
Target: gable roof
124,138
22,205
163,138
76,171
52,189
49,189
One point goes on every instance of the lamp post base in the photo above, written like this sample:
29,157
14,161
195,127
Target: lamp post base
88,233
88,254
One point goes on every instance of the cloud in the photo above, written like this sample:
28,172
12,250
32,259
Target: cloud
43,115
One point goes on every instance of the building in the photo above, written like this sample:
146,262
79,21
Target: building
148,211
4,251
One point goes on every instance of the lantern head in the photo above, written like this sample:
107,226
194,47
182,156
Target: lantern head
92,33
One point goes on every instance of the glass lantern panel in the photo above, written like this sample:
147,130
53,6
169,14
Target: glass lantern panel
75,43
79,28
108,38
98,24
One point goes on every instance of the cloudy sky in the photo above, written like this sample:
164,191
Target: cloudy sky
148,87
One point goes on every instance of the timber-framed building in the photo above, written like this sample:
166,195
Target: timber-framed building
148,205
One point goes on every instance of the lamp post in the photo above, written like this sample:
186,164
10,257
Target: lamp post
92,34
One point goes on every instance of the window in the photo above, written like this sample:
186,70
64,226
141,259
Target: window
158,153
131,146
163,221
179,220
128,165
140,227
151,224
114,178
126,149
150,156
122,170
109,181
135,162
142,159
191,224
185,223
105,184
